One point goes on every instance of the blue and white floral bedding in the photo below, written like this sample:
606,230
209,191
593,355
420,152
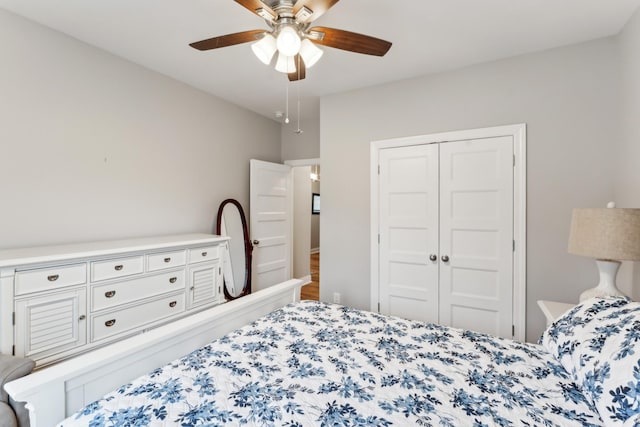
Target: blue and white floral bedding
598,343
312,363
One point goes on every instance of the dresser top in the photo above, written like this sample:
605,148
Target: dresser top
42,254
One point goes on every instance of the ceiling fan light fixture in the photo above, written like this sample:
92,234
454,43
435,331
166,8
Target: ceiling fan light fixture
288,41
265,14
265,48
304,14
285,64
310,53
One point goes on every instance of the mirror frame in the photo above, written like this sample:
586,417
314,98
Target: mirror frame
248,249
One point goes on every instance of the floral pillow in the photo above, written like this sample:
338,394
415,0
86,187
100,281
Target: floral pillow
598,343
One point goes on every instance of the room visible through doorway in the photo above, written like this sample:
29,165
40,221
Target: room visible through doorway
306,225
312,290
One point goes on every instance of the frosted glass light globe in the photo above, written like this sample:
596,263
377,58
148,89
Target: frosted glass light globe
265,48
288,41
285,64
310,53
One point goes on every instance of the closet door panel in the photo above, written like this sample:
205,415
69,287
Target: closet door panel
408,192
476,235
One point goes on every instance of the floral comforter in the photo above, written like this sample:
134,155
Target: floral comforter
313,363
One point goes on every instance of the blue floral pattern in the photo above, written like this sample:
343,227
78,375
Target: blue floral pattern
321,364
598,343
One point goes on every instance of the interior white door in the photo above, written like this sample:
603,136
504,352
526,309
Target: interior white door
476,235
271,223
408,194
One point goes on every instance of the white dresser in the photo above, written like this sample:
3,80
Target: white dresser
58,301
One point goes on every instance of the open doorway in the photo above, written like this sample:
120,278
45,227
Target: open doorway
312,290
306,225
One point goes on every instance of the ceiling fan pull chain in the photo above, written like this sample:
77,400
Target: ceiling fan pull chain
298,83
298,130
286,118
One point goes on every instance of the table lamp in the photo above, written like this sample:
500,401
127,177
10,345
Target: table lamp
609,235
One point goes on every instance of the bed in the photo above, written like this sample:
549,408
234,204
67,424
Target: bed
309,363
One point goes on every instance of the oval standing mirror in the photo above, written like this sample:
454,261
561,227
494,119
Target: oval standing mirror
237,264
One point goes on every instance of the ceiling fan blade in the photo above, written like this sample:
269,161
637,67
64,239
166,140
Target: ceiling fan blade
227,40
346,40
301,70
255,5
316,7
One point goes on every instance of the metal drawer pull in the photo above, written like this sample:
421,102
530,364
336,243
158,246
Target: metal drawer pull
173,303
109,294
167,259
82,317
204,254
110,323
53,277
173,280
118,267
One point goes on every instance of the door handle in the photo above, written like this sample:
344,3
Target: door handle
445,258
256,242
433,257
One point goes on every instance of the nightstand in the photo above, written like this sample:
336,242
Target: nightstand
552,309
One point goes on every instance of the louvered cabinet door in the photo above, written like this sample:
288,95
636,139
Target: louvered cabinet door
205,284
50,324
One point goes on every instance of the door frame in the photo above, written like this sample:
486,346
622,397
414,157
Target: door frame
297,163
519,134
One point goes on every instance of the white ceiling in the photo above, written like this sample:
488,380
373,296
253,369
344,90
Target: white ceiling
428,36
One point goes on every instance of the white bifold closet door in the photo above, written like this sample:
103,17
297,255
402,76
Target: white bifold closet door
446,233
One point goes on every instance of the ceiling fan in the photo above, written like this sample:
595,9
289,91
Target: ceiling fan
292,36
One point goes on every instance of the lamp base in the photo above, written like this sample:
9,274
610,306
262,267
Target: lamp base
607,286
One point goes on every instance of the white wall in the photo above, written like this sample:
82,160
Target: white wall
301,220
569,98
301,146
95,147
628,161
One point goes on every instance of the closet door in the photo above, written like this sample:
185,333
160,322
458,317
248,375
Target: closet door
476,235
408,197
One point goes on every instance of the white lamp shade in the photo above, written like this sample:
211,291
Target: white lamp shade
310,53
288,41
265,48
285,64
606,233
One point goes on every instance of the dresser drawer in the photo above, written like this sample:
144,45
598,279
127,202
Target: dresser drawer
121,267
45,279
166,260
111,295
204,254
109,324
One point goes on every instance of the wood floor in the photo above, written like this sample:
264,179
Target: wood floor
312,290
